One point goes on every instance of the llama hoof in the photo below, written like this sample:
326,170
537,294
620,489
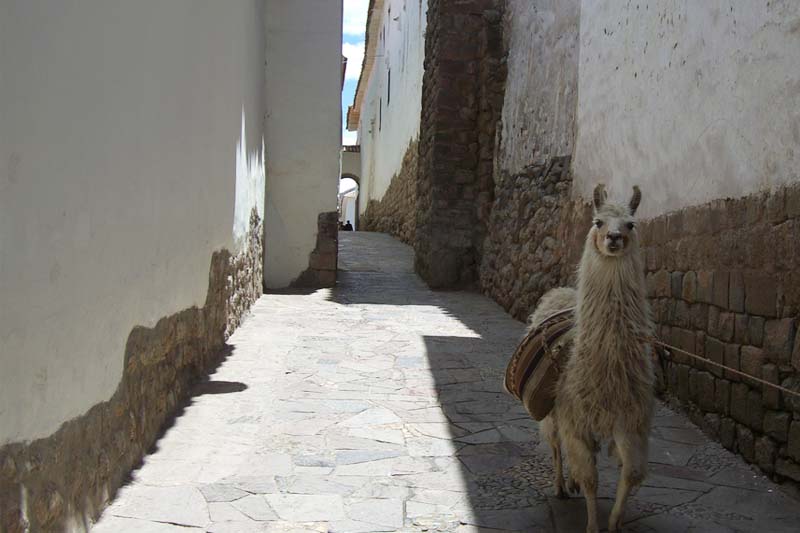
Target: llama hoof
592,529
561,494
614,523
573,486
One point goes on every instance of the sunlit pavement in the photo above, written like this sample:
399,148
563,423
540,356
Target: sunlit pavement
378,406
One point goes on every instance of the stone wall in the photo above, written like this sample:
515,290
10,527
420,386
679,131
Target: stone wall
724,283
395,213
460,107
527,245
724,279
62,482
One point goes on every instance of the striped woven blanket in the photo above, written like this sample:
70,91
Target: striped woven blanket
532,373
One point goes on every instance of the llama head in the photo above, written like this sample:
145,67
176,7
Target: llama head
614,226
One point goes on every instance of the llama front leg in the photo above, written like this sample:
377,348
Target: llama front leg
558,462
583,469
632,453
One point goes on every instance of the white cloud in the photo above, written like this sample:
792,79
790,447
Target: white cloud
354,17
349,137
355,56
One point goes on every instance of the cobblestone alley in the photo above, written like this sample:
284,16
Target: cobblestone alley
378,406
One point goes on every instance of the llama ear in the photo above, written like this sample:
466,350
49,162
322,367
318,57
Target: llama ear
600,196
635,199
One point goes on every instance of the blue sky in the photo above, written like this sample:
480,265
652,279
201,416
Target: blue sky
354,22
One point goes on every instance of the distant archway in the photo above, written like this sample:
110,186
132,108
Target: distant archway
349,199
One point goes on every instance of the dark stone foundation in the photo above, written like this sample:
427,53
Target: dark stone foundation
69,477
322,261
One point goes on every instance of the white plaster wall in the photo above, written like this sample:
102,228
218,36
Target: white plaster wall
302,129
538,118
386,129
351,164
119,124
692,100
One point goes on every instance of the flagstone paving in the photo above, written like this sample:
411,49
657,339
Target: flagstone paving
378,406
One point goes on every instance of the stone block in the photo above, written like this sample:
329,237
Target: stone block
699,316
719,296
796,353
722,396
765,454
731,358
689,288
792,401
683,315
775,206
705,286
745,443
326,278
793,202
725,327
740,329
700,344
651,258
727,432
779,339
685,340
751,359
322,261
705,391
650,285
761,291
740,411
661,284
694,389
676,284
712,325
683,382
771,397
755,334
755,410
712,423
736,292
793,448
787,468
776,425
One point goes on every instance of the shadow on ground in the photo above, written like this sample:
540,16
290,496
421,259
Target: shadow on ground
505,470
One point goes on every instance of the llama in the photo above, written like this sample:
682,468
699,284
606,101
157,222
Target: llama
605,391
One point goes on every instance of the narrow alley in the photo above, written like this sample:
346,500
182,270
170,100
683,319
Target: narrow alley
378,406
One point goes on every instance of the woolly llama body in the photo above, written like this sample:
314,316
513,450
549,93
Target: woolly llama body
605,391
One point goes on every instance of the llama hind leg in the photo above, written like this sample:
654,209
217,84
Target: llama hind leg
549,428
632,453
583,470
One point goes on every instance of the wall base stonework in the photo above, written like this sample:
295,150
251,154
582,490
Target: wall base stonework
65,480
724,283
395,213
322,261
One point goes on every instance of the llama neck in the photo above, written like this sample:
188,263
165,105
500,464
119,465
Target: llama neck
612,300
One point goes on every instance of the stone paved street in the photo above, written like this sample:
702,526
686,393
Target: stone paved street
378,406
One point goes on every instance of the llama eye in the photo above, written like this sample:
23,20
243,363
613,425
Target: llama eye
630,226
598,223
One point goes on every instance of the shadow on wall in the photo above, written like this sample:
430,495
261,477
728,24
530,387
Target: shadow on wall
65,480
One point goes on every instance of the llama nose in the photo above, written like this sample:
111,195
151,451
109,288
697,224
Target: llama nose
614,236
